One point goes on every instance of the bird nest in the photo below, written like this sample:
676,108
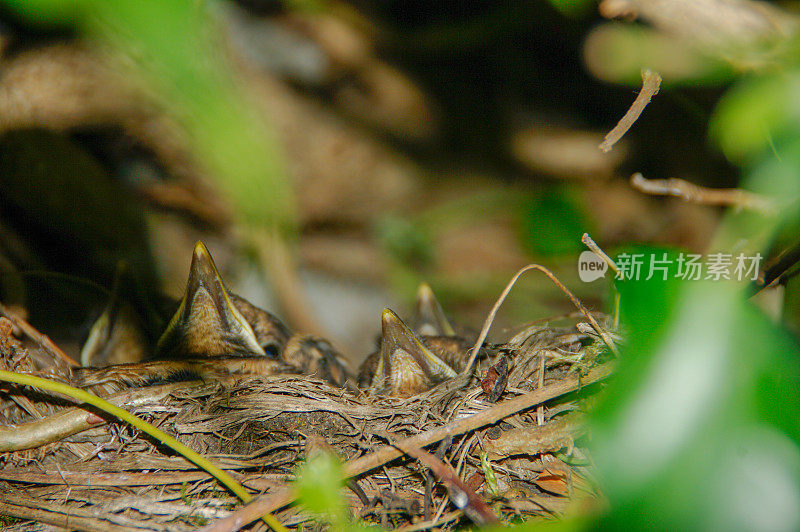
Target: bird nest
505,443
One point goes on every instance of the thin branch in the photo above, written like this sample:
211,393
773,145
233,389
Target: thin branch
62,516
592,245
651,82
492,313
76,419
462,495
690,192
46,343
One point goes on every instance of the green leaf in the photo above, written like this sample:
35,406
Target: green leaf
618,53
755,113
319,482
699,428
170,47
651,282
554,221
573,7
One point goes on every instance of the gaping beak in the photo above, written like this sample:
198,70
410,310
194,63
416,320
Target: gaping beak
207,323
429,318
406,366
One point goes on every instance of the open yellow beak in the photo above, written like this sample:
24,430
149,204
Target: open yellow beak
406,366
207,323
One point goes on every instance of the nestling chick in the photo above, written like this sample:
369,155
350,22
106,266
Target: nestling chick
211,322
213,332
406,363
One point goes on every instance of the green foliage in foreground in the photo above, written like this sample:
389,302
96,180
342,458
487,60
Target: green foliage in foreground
699,428
169,48
320,483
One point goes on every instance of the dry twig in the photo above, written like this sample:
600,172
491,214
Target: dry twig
651,82
690,192
77,419
44,341
462,495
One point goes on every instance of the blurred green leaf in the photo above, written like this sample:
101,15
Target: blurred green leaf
554,221
652,282
319,481
618,53
774,173
573,7
174,48
755,113
563,524
686,430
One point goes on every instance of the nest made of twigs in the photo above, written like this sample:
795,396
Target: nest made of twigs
518,454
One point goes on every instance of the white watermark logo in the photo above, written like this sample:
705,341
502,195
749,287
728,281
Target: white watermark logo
591,267
685,266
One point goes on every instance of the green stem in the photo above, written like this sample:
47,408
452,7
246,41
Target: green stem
199,460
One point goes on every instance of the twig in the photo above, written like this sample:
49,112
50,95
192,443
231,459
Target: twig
779,269
492,313
38,337
94,479
275,501
690,192
462,495
461,380
651,82
77,419
592,245
540,409
548,438
68,517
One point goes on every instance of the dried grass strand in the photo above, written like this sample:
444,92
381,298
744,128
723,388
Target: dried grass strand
268,504
42,339
680,188
651,82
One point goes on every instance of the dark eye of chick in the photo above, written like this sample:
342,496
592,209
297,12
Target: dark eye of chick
271,349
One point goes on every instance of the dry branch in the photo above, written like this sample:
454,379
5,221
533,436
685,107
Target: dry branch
73,420
651,82
690,192
462,495
69,517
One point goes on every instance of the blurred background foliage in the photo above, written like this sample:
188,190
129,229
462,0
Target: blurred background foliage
357,148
